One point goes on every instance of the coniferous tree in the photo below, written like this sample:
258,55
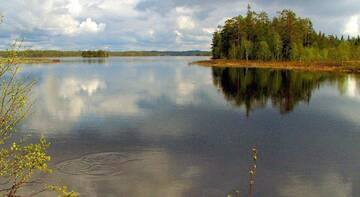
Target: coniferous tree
284,37
216,46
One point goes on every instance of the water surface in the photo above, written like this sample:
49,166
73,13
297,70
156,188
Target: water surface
155,126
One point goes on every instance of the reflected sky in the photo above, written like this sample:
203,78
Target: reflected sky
157,126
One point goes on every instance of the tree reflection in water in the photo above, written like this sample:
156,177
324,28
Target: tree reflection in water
253,88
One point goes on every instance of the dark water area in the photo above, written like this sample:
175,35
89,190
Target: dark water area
156,126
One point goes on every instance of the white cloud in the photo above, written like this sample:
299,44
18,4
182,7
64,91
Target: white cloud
179,36
90,26
352,27
72,24
74,7
184,10
123,8
67,25
62,24
131,24
185,22
53,17
151,33
209,30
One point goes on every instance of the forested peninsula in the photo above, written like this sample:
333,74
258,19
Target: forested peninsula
285,41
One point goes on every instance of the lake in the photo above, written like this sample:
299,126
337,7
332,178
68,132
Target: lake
157,126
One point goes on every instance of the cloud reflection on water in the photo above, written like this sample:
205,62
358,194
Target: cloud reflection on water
187,140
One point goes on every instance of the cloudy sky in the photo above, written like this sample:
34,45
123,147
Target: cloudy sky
150,24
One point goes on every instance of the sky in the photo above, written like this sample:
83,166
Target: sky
151,24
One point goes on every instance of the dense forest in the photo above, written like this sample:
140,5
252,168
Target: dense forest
55,53
282,38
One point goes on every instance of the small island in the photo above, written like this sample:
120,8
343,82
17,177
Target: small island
98,53
284,42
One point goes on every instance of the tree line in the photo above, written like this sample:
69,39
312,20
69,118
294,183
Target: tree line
42,53
56,53
282,38
161,53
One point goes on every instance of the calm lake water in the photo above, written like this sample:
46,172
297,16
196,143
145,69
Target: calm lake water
156,126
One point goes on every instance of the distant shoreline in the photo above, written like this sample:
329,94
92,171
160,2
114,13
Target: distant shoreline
56,59
30,61
323,66
57,54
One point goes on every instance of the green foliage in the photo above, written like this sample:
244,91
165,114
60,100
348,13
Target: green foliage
232,51
19,160
42,53
246,48
285,37
343,51
216,46
62,191
13,98
263,52
99,53
294,51
276,46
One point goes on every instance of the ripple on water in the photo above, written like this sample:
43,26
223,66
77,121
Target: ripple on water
99,164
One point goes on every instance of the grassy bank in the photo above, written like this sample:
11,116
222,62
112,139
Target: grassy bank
30,61
326,66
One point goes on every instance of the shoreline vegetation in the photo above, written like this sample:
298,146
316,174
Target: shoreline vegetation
285,41
29,61
314,66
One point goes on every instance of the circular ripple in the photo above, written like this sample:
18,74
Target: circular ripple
99,164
